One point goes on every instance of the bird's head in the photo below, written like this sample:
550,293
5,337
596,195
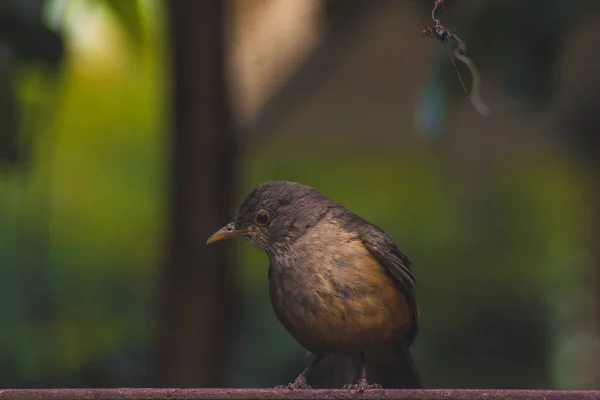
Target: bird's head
275,214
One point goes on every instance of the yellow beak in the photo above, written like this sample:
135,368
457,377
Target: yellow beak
226,232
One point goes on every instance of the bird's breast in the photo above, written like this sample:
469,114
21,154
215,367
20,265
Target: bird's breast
334,297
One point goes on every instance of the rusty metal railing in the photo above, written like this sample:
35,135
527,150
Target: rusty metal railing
268,394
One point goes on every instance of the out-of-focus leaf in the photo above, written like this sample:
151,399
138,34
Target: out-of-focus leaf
129,16
525,50
30,39
431,105
9,122
24,39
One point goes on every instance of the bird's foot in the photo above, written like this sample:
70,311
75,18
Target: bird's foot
362,385
299,383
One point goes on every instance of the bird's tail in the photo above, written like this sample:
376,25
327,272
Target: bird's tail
395,370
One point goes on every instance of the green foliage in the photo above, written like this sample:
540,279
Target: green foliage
129,15
82,227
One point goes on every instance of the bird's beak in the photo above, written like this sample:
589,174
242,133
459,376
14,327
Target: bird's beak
226,232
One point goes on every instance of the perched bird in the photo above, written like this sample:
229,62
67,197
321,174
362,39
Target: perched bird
338,284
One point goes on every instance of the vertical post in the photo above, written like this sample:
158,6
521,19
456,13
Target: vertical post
579,124
195,287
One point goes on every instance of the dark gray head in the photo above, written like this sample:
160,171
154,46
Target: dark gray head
275,214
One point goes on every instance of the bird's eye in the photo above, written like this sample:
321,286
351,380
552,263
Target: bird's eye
262,218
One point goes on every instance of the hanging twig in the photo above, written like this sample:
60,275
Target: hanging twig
443,35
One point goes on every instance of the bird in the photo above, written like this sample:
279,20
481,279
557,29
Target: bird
338,284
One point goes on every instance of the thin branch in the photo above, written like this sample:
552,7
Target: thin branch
475,97
443,35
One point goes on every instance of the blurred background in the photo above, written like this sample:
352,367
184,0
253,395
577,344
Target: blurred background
130,130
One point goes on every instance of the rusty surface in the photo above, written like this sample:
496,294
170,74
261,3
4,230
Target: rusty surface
192,394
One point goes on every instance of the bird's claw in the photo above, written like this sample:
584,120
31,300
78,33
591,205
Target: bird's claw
362,385
299,383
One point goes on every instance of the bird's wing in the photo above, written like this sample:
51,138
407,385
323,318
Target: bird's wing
385,250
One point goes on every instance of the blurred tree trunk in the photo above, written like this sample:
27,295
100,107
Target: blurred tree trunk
580,126
592,380
196,289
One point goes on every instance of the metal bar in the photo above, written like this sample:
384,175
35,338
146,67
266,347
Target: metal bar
197,394
196,283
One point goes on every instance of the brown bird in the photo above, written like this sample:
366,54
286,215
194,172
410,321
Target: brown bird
338,284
